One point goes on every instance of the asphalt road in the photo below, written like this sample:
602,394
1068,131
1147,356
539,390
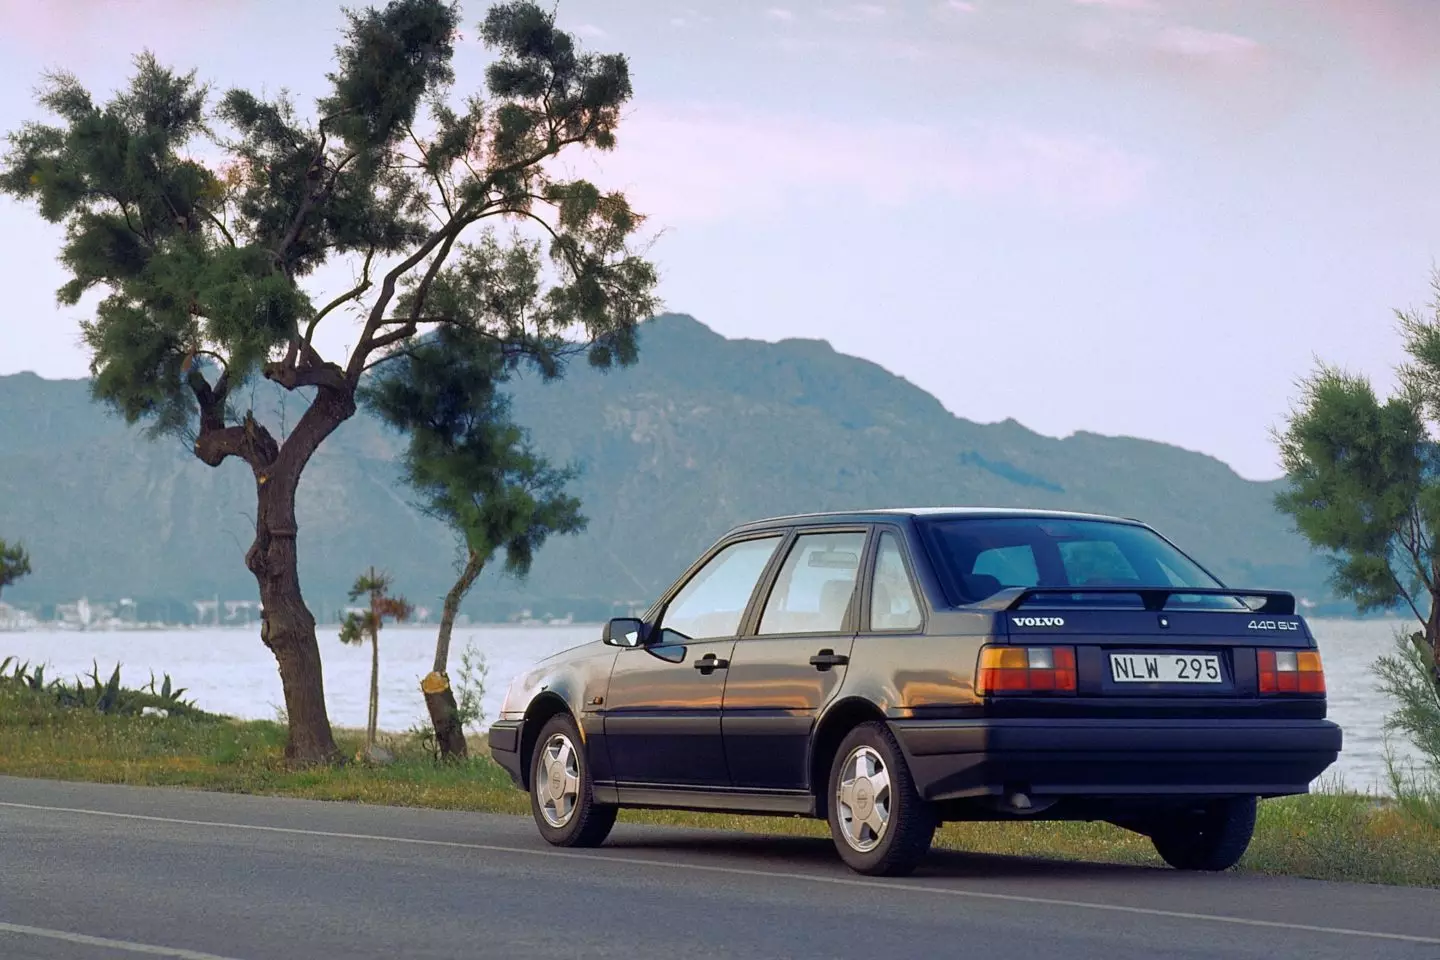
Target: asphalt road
91,872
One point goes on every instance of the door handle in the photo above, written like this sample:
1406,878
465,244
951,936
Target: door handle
828,658
710,662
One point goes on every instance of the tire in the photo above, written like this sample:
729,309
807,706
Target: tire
906,822
1212,839
561,792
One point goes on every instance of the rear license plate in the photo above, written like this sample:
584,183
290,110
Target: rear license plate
1165,668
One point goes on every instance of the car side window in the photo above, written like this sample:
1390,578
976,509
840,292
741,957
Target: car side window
815,584
893,604
712,602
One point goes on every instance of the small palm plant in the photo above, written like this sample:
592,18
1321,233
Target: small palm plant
360,625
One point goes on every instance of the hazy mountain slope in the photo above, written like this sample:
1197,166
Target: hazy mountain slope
703,433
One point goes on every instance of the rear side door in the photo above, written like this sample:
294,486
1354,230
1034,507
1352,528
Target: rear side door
791,663
662,710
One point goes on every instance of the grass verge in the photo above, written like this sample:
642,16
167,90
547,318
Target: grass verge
1333,836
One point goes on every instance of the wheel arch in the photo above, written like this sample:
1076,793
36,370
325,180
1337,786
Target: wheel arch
541,710
842,717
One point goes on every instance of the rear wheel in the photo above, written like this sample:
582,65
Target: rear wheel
1214,838
561,795
880,824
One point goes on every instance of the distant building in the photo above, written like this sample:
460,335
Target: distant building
13,618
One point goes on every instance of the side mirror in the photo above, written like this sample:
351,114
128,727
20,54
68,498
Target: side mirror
624,632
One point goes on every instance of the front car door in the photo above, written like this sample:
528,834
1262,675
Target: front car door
785,670
662,711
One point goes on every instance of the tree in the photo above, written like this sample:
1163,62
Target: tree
14,564
1364,485
202,266
358,626
475,471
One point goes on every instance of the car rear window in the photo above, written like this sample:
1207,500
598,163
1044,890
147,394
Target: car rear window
979,557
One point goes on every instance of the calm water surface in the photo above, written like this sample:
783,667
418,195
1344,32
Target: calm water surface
230,671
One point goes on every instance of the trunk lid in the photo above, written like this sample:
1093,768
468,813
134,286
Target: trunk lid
1185,642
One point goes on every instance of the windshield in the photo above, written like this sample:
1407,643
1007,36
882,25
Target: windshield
980,557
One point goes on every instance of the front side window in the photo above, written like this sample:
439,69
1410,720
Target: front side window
711,604
815,584
893,604
979,557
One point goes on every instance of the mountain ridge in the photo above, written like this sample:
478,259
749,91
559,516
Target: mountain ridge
703,433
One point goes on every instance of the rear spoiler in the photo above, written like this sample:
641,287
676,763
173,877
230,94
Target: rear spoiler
1276,601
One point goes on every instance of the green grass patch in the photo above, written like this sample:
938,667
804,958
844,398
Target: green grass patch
1331,835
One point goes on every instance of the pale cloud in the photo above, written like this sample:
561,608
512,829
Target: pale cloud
1204,44
780,13
689,18
592,31
960,6
1133,5
857,12
704,163
1178,49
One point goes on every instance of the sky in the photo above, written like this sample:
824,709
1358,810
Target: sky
1133,217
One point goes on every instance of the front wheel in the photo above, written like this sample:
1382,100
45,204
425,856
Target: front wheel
1214,838
880,823
561,795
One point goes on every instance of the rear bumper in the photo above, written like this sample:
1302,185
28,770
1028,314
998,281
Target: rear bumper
504,740
952,759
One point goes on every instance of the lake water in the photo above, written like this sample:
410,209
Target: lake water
229,671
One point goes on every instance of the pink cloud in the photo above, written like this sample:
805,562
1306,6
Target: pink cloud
689,163
1398,35
74,28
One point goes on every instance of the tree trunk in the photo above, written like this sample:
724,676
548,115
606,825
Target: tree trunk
374,721
1431,641
474,563
286,625
288,629
439,697
445,717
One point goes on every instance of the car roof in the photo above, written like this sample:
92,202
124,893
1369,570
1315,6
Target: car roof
891,513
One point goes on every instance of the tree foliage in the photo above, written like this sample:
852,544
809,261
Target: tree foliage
475,470
1364,483
473,466
14,564
202,260
196,220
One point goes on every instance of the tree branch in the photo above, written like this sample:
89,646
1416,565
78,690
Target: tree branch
219,224
312,197
249,441
1400,587
564,248
1413,547
434,174
353,293
320,375
446,236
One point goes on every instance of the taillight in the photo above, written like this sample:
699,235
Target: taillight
1025,670
1290,671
